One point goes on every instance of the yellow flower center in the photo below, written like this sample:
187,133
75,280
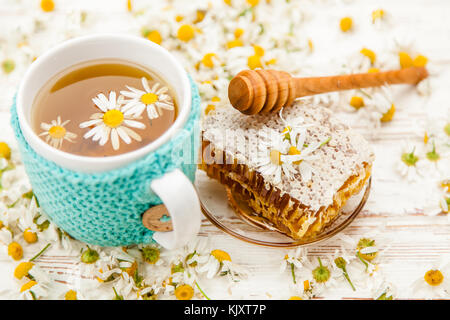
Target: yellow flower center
346,24
405,60
369,54
434,277
57,132
306,285
221,255
389,114
294,151
30,236
28,285
253,2
15,251
254,62
184,292
373,70
357,102
445,184
132,269
275,157
200,15
234,43
155,37
22,269
149,98
425,138
113,118
377,14
238,32
185,33
71,295
295,298
420,61
208,60
310,45
209,108
5,151
259,51
47,5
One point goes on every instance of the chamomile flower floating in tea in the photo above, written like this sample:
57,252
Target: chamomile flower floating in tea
56,133
112,121
153,99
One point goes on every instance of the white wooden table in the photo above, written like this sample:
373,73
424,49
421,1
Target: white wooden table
395,209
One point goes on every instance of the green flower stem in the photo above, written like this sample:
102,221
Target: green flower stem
117,296
200,289
348,278
293,273
362,260
40,252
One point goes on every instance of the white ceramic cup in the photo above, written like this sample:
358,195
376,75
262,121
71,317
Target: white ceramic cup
174,188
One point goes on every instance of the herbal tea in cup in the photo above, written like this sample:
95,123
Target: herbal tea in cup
103,108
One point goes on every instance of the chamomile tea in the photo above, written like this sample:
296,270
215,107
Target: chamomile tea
103,108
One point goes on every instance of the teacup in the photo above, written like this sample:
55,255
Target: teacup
101,200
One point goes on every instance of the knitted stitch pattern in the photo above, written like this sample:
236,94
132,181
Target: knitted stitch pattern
105,208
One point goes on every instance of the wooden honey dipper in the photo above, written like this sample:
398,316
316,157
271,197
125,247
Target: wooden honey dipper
264,91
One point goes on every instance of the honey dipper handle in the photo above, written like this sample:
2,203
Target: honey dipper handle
316,85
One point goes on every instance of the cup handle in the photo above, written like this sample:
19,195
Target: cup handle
181,200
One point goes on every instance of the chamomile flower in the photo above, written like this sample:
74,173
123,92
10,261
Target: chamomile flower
301,156
444,200
33,290
319,274
218,262
381,105
409,165
435,281
384,291
112,121
437,159
55,132
154,99
339,263
269,163
293,260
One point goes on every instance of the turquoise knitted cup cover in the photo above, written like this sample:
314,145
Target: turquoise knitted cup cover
105,209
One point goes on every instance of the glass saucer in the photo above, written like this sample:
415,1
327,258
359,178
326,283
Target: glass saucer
248,226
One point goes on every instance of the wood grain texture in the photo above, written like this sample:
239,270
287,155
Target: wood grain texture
255,91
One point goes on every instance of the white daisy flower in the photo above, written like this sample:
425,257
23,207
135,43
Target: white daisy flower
318,274
270,162
55,132
125,286
154,99
40,275
380,103
435,282
112,121
409,165
34,291
385,291
293,259
218,262
437,159
339,263
300,156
